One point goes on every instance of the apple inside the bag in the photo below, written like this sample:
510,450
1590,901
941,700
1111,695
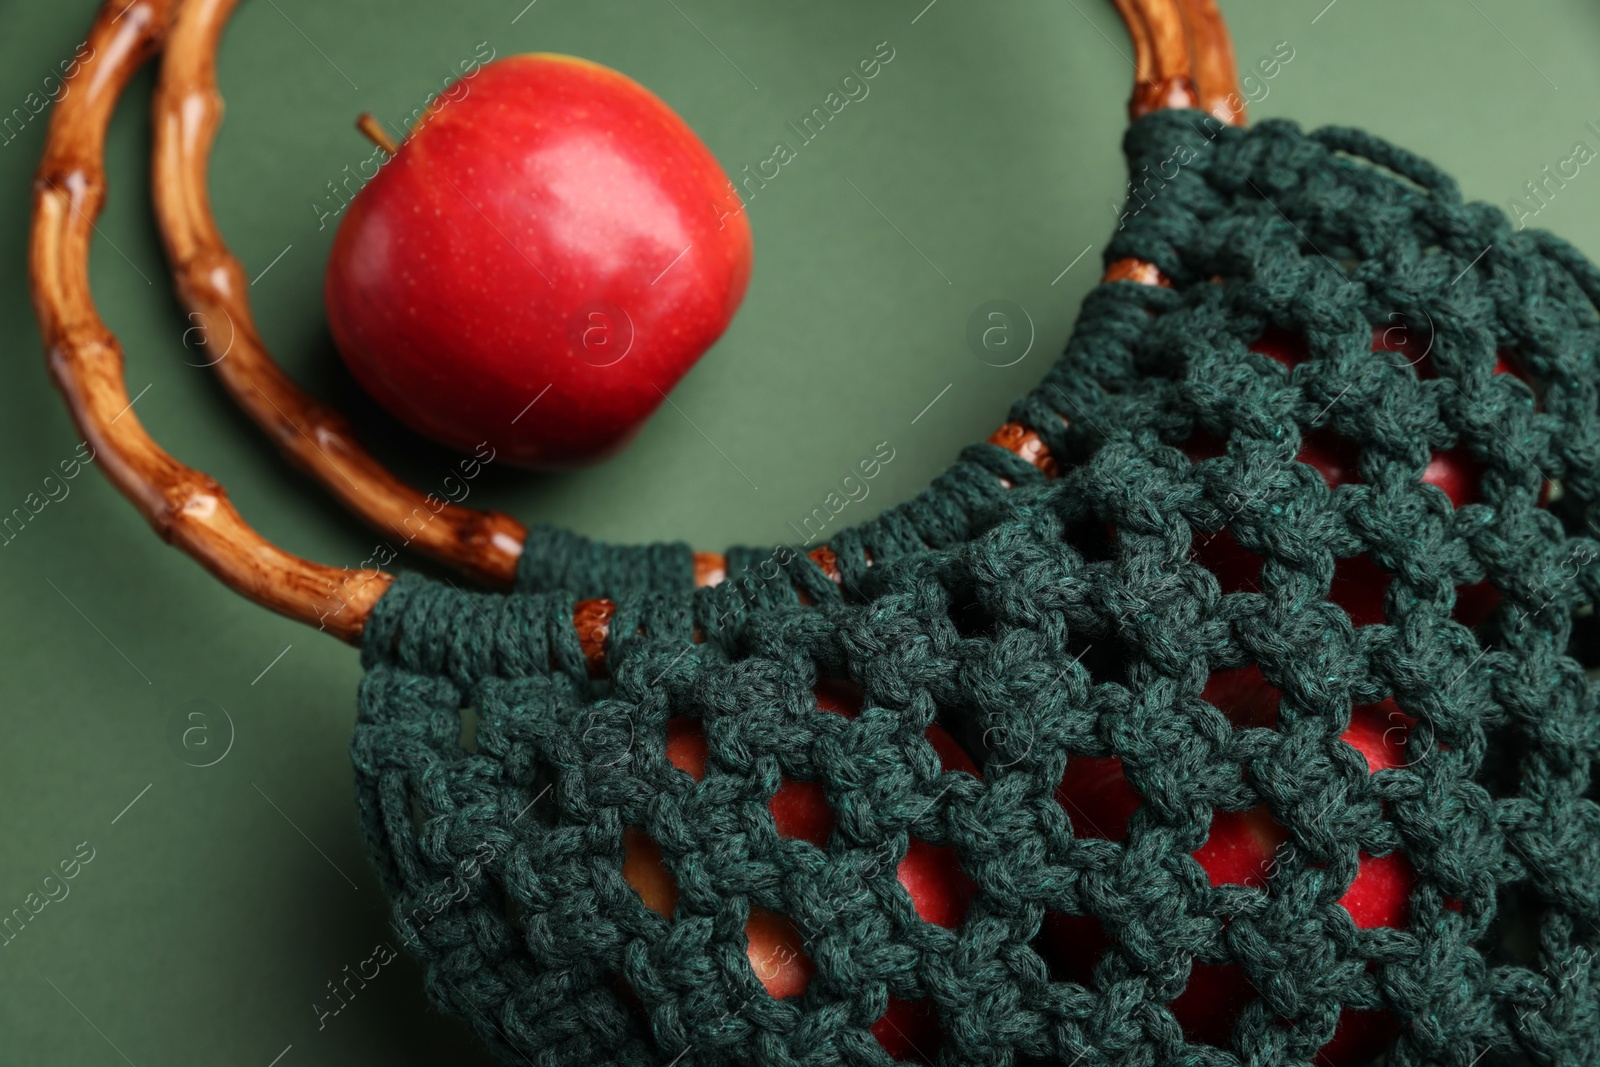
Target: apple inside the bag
939,889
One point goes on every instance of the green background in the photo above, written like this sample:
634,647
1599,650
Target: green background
218,906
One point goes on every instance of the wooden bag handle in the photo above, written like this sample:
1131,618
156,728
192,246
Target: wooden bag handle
191,510
183,505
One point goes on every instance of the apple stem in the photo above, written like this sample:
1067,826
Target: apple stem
376,133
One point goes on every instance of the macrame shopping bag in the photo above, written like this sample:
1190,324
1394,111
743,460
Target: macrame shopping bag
1147,521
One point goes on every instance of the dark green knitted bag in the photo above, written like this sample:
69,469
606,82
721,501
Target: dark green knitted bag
1063,619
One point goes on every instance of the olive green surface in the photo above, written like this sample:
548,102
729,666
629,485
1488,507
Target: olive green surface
220,904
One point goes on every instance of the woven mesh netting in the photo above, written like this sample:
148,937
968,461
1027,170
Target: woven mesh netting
1077,619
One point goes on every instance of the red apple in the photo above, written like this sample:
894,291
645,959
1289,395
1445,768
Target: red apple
1359,584
554,234
1242,849
940,890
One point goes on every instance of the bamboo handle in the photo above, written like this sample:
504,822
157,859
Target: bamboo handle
1215,70
184,506
1163,78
